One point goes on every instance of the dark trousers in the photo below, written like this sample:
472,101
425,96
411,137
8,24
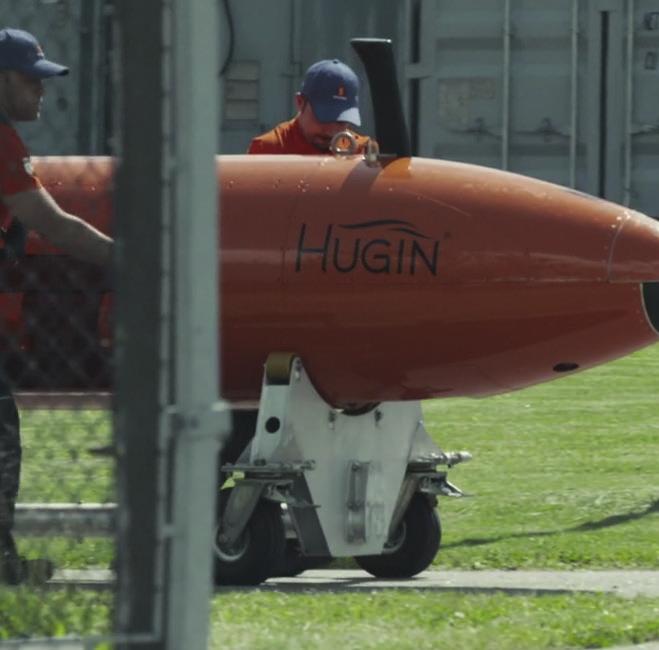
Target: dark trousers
10,464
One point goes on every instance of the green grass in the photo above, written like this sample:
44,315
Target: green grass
564,476
58,467
428,620
57,464
68,612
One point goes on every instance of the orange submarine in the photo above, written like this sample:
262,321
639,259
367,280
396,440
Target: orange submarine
409,278
392,277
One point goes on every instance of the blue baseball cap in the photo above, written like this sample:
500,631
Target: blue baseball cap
20,51
332,89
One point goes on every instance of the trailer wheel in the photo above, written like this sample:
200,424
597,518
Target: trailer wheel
292,562
412,548
256,553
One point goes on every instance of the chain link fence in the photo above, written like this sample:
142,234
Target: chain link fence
55,337
108,552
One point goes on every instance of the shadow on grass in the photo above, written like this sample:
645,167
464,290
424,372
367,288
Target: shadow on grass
607,522
369,584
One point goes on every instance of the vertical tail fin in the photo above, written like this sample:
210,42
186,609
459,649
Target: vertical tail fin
390,128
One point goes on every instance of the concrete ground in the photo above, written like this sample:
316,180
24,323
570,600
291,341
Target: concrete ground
624,583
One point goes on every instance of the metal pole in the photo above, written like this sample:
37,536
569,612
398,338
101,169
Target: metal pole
629,104
138,231
505,117
295,64
192,94
574,95
89,87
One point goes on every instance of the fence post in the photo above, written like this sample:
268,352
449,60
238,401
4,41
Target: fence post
138,336
168,421
192,96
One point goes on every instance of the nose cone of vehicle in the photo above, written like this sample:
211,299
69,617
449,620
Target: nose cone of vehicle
635,251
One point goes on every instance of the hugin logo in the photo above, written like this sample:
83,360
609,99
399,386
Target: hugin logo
388,246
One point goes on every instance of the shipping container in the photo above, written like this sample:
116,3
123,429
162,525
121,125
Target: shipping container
563,90
75,116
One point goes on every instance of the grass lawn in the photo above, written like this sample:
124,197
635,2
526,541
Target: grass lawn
564,476
428,620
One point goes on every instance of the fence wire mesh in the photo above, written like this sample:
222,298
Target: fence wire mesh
76,570
55,340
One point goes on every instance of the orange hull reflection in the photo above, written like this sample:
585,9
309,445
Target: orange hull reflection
418,279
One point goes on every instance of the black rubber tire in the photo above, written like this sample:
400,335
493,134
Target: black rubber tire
417,541
257,553
292,563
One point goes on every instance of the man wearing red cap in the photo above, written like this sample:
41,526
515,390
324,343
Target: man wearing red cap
25,204
328,102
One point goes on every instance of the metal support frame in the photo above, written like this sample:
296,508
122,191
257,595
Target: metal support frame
346,479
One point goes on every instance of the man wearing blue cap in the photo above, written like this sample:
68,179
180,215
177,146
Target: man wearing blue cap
24,203
328,102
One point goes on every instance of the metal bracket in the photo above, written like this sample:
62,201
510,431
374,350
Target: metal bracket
356,504
271,470
244,497
478,128
437,484
209,422
547,130
273,484
409,487
453,458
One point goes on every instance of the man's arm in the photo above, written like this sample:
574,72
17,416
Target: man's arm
38,211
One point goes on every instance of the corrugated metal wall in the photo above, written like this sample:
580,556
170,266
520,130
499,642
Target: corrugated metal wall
495,92
565,90
73,32
641,158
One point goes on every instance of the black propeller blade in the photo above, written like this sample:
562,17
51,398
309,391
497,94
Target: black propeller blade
651,300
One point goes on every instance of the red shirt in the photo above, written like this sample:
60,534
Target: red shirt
287,138
16,173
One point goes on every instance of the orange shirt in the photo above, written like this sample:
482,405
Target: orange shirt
15,169
287,138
